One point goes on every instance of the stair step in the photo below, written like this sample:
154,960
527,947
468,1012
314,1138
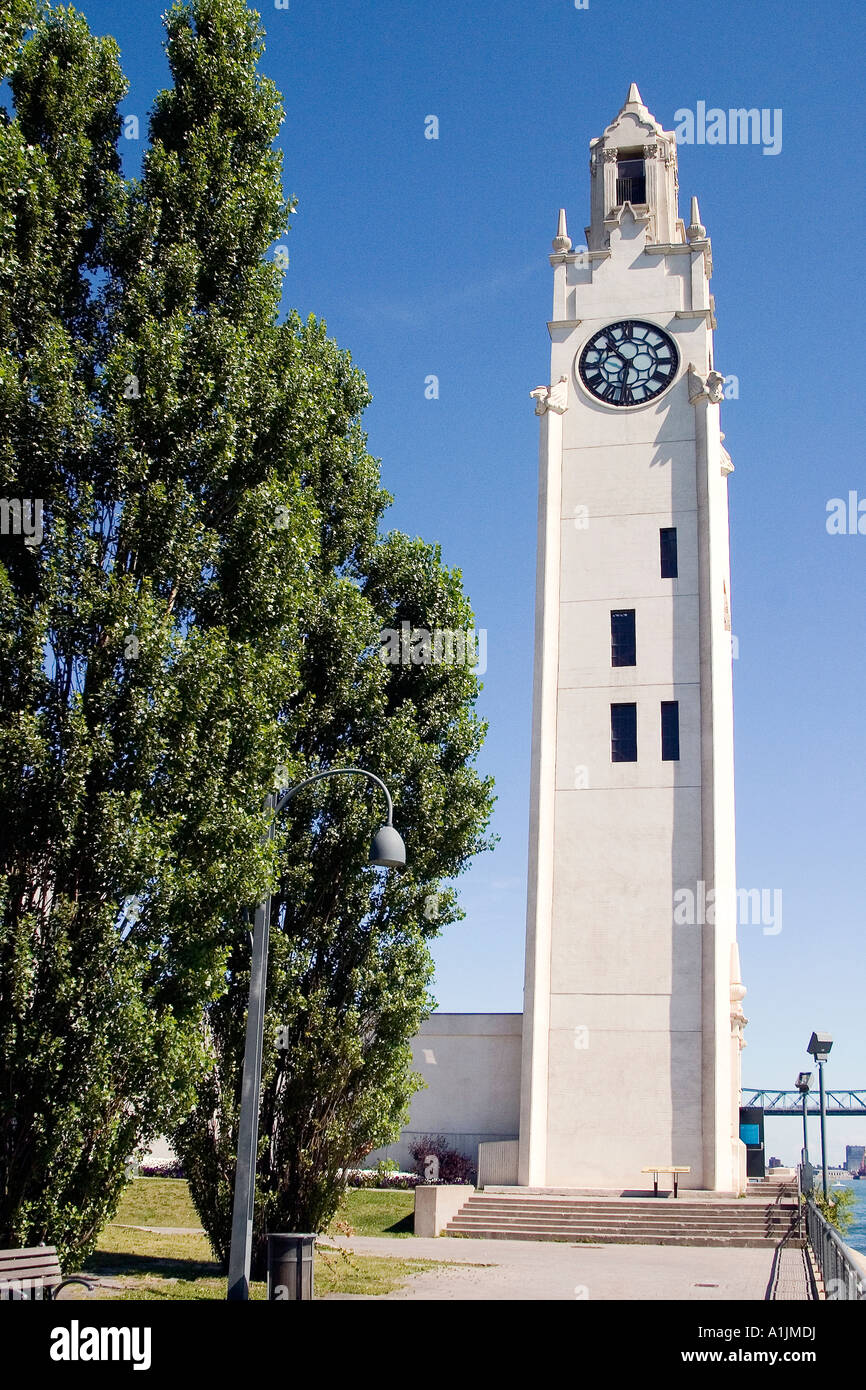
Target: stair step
618,1238
604,1218
593,1228
615,1214
761,1227
584,1219
627,1203
651,1204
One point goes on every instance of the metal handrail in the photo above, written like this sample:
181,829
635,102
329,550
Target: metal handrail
843,1280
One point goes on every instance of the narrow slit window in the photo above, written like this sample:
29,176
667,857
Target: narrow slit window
623,733
668,550
670,731
622,638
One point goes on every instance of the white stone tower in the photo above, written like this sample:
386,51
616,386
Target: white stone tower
632,1016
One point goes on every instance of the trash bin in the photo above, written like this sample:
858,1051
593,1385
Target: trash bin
290,1266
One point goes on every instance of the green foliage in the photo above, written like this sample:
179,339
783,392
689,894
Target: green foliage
349,966
145,646
837,1207
204,608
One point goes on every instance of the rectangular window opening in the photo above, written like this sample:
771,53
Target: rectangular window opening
670,731
622,638
623,733
668,551
630,180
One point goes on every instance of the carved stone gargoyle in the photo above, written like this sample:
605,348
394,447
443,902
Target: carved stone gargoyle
709,387
551,397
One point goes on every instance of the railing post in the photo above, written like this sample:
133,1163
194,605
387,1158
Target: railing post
842,1278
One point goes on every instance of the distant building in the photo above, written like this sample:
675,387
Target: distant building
775,1163
854,1157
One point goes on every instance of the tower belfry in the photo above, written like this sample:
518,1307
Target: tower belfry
632,1017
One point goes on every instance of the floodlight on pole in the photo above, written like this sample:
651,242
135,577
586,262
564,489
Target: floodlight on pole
819,1046
804,1082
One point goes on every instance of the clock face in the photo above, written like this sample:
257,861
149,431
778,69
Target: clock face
628,363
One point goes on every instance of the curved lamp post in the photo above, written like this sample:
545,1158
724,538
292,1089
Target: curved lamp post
387,851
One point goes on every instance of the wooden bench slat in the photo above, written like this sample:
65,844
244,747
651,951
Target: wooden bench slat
31,1260
30,1272
19,1271
29,1250
51,1263
653,1169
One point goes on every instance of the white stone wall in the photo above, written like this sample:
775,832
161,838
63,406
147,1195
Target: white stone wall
471,1064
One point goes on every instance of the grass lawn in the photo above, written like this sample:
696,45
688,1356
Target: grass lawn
389,1212
136,1264
157,1202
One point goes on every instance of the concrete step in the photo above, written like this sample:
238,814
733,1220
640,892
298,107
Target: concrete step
775,1219
614,1237
760,1227
588,1223
775,1224
629,1203
651,1208
454,1228
642,1221
478,1218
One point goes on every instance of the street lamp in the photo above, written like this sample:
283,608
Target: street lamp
804,1082
819,1047
387,850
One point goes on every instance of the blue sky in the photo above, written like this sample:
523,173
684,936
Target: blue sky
430,257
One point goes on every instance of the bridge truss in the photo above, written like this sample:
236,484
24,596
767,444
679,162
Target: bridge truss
791,1102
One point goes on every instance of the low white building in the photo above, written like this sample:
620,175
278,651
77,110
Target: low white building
471,1067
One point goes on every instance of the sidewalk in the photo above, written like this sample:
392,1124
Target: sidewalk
529,1270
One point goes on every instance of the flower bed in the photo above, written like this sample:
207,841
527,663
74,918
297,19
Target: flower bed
372,1177
174,1169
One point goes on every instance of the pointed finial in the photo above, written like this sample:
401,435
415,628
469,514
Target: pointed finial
562,241
634,97
696,231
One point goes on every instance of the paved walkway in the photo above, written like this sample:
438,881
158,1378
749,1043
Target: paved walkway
791,1276
527,1270
163,1230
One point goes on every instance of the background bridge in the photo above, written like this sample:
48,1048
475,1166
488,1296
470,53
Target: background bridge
791,1102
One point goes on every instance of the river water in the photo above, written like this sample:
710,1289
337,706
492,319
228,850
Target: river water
856,1234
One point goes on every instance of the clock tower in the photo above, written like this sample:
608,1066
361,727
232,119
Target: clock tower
632,1016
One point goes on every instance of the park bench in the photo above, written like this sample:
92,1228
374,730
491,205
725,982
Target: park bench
32,1274
655,1172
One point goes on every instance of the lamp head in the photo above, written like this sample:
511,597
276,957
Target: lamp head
804,1081
819,1046
387,849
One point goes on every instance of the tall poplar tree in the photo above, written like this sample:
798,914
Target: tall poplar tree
199,621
